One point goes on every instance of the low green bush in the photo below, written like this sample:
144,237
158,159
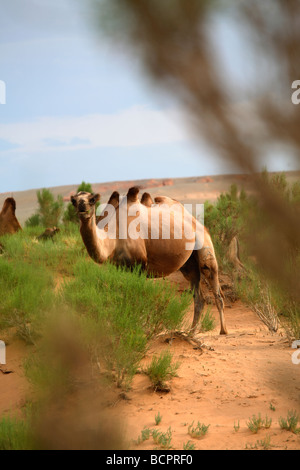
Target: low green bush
25,297
14,433
272,293
128,306
161,369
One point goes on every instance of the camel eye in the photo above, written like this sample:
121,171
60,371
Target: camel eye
73,200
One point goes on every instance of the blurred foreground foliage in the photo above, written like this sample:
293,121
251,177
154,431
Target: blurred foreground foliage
238,215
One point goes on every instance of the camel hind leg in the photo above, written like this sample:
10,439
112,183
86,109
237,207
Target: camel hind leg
213,280
191,272
198,304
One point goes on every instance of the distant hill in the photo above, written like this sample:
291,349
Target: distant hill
195,189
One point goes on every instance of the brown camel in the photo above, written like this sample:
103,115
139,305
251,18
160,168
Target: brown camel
8,220
204,260
159,256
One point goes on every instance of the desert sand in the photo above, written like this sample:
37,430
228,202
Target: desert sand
227,382
233,378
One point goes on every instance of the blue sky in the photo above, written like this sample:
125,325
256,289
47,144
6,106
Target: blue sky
78,108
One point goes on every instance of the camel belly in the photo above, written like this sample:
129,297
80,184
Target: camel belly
166,256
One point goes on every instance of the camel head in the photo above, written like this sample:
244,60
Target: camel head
8,221
84,204
9,206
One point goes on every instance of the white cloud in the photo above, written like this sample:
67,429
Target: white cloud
133,127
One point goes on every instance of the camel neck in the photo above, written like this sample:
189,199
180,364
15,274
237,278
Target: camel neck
97,247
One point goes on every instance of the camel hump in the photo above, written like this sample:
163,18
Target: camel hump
165,200
159,199
9,203
146,200
114,199
132,195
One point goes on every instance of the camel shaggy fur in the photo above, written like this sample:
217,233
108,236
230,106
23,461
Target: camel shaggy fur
159,256
8,220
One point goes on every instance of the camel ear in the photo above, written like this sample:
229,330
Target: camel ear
133,193
73,200
93,198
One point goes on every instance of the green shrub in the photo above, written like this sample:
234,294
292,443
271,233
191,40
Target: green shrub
33,221
188,446
162,439
198,431
146,433
235,213
29,274
14,433
257,422
236,427
36,278
25,297
158,418
226,219
208,321
161,369
290,423
128,306
58,257
50,210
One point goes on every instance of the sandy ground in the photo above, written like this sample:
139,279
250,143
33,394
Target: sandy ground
13,384
233,378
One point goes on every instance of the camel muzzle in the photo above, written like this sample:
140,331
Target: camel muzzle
85,213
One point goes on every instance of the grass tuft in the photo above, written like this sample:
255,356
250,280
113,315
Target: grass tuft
257,422
198,431
291,422
161,369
